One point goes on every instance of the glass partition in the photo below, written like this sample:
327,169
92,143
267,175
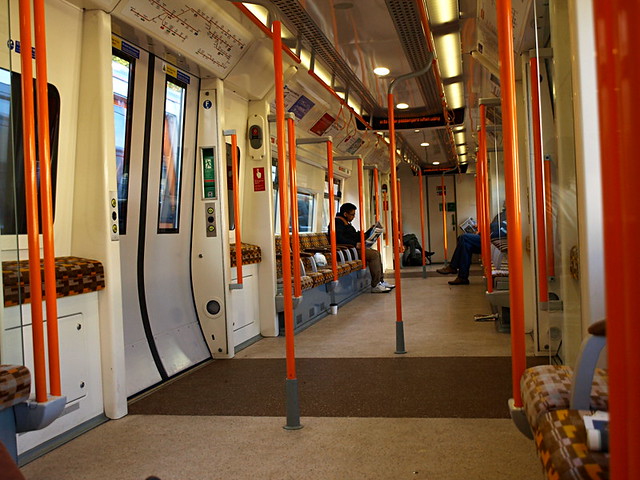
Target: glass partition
558,329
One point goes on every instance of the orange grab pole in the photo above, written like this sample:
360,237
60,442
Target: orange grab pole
548,196
376,189
541,240
236,205
512,175
45,199
28,132
295,227
332,213
363,247
424,258
400,347
484,222
400,231
444,220
617,70
282,191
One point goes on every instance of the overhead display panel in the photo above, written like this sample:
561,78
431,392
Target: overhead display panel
200,30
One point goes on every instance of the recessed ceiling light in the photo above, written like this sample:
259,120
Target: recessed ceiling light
436,163
417,131
424,144
381,71
402,106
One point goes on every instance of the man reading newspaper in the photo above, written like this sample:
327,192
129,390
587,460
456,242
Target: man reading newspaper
346,234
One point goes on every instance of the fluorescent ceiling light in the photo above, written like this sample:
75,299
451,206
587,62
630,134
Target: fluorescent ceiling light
305,59
402,106
417,131
435,163
453,92
381,71
449,58
459,137
424,144
261,13
442,11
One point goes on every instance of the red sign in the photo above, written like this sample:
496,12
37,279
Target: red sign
258,179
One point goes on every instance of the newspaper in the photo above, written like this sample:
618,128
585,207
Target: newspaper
371,235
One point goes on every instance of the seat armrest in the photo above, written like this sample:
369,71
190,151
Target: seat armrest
583,373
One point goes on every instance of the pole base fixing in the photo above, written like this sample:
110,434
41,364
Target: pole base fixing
293,405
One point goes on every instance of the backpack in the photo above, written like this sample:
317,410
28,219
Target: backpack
412,255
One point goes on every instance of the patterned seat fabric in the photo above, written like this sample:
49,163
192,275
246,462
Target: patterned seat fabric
15,385
561,441
250,254
74,276
547,387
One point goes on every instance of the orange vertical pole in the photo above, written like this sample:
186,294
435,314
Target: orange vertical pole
236,205
485,231
45,199
618,72
31,189
541,241
424,258
332,212
444,220
400,347
512,175
376,188
295,227
363,247
400,231
293,411
548,197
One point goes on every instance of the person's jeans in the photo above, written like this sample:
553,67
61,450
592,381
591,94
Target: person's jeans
374,262
468,244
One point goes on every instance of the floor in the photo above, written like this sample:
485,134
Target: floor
438,321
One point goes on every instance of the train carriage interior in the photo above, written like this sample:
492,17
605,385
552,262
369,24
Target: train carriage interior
318,239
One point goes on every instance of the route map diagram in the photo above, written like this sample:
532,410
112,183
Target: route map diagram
197,30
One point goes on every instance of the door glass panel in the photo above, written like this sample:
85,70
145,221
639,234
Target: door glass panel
122,68
232,219
172,137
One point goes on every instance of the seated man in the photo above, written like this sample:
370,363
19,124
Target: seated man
468,244
346,234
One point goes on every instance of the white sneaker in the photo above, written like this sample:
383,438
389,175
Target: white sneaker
380,289
387,285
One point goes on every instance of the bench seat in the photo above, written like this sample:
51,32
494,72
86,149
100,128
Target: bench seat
561,442
15,385
250,254
74,275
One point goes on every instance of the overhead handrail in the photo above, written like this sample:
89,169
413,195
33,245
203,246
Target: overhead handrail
376,188
332,208
44,152
483,221
236,207
424,257
31,189
360,167
512,176
295,226
444,220
400,347
541,241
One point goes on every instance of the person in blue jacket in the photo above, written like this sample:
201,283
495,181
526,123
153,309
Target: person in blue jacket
468,244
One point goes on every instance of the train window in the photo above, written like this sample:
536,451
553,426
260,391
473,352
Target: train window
171,168
123,69
337,199
306,206
232,220
13,217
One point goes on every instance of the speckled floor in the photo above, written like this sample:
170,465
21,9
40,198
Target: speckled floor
438,321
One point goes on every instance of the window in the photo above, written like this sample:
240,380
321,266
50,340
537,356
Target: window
337,199
13,216
171,167
122,74
306,206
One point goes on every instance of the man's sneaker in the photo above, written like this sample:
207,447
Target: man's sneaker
380,289
387,285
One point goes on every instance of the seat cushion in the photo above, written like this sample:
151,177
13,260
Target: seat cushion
561,441
15,385
548,387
